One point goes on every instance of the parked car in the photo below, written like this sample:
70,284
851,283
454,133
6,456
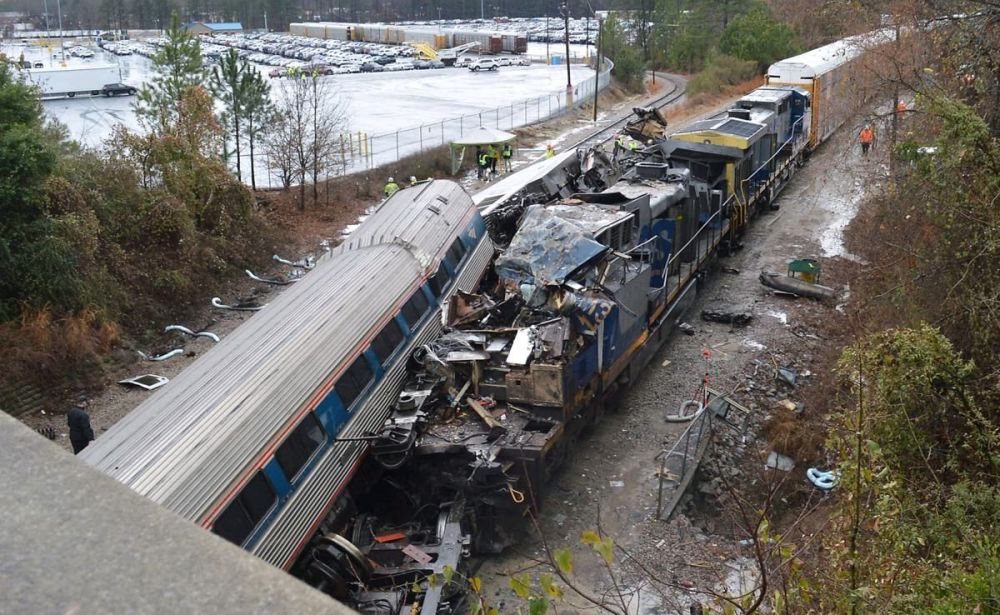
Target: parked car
114,89
523,61
484,64
437,64
421,64
372,67
275,73
503,61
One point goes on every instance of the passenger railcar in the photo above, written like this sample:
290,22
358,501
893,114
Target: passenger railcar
258,437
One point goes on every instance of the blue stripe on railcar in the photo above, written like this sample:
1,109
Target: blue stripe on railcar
332,413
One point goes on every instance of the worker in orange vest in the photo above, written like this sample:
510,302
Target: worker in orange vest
866,137
901,108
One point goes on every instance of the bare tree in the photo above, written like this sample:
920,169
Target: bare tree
302,145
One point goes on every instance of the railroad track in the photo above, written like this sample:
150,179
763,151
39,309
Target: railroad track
677,89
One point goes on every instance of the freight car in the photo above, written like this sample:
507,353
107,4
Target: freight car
256,440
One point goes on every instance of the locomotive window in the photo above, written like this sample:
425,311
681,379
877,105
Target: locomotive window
353,381
455,253
296,450
440,280
238,520
415,308
387,340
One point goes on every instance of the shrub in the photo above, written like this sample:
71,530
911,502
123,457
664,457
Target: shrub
720,72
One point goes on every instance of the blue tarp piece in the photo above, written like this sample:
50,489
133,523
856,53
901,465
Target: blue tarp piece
546,250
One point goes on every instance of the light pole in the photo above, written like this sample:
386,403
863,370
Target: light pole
61,46
597,65
569,81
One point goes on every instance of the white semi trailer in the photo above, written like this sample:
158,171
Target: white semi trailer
84,80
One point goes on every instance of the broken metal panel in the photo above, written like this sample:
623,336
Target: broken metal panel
540,385
547,250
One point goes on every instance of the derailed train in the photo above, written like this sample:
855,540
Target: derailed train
404,403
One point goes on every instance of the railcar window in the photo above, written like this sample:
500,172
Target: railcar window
455,253
296,450
238,520
415,308
353,381
440,280
387,340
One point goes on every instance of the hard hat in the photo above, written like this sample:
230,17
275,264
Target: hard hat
413,179
391,180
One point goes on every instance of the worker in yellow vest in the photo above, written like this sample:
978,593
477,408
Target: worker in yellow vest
550,151
391,188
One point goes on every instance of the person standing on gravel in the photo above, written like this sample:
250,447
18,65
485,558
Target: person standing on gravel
866,138
507,153
80,432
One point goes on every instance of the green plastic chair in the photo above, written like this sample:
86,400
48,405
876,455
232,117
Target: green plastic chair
806,268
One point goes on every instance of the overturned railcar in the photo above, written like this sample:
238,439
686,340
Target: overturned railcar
258,439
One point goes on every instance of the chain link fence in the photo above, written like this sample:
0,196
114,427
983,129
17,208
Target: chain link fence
361,151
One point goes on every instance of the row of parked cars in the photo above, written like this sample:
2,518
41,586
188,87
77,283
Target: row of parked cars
288,51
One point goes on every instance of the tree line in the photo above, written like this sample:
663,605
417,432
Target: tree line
126,235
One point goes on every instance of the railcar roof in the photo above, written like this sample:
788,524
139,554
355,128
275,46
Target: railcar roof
823,59
193,437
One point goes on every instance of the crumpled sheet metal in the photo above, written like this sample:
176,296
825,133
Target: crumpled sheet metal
546,250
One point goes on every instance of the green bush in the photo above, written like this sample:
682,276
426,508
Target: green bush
757,37
720,72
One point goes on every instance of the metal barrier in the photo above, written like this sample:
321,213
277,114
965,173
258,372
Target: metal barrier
376,150
685,453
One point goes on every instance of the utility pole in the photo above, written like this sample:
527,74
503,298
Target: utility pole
548,57
482,10
61,46
265,22
569,80
48,33
597,65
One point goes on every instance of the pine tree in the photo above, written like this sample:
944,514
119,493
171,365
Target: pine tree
228,85
258,111
176,69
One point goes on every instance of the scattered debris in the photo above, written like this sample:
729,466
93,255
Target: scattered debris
823,480
686,328
732,317
787,375
781,462
275,281
417,554
617,484
730,270
795,286
47,432
303,263
185,330
146,381
163,357
682,414
245,307
787,404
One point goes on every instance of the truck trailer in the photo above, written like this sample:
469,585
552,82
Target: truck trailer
84,80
